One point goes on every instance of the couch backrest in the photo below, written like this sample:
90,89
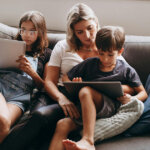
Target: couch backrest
136,48
137,54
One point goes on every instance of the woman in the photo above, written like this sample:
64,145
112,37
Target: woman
82,26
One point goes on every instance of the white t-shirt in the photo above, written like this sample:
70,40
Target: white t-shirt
63,58
66,60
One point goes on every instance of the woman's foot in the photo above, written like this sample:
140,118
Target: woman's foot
81,145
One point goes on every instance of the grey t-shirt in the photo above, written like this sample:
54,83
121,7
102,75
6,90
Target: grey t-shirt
89,70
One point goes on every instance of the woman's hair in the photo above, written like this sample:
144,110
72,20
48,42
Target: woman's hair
110,38
76,14
38,20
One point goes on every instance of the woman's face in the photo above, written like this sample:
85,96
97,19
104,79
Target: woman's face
28,32
85,31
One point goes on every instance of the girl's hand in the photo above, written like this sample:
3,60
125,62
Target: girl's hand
25,65
77,79
68,107
125,98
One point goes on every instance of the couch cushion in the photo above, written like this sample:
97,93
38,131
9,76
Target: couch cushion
7,31
125,143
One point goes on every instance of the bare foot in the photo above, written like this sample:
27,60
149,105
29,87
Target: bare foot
81,145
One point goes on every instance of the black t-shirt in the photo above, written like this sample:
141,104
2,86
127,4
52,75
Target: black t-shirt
89,70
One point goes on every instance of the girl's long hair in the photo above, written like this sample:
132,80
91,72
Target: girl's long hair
37,18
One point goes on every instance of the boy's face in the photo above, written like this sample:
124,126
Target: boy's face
108,59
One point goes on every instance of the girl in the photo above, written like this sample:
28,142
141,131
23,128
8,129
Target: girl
17,84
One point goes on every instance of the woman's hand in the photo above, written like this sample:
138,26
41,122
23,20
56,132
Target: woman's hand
25,65
68,107
125,98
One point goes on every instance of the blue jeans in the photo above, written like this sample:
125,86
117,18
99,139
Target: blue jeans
16,85
142,126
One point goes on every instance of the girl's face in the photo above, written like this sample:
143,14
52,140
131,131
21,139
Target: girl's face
85,31
28,32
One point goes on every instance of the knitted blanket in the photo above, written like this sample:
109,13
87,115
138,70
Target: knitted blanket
126,116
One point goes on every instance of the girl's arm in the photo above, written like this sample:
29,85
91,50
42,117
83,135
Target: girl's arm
51,80
25,66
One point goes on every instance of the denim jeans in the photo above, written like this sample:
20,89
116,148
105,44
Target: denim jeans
16,85
142,126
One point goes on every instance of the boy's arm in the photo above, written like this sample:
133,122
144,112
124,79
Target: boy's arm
141,93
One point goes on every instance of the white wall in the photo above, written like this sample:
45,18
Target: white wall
133,15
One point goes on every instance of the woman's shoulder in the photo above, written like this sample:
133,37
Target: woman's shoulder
62,44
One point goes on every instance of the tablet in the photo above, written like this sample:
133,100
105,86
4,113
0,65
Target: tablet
110,88
10,50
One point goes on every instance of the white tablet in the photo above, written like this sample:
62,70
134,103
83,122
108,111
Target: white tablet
10,50
110,88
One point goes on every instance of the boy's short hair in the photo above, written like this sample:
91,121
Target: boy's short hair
110,38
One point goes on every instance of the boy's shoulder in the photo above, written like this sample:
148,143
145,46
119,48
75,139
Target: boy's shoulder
124,65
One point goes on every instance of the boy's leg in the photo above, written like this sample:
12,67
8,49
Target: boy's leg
9,113
63,128
89,98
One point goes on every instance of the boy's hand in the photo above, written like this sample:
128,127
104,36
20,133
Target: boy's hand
77,79
125,98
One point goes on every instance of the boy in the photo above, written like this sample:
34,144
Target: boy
106,67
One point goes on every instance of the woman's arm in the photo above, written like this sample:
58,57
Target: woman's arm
51,80
128,89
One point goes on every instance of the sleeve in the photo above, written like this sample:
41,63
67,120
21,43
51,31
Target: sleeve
132,77
78,70
56,56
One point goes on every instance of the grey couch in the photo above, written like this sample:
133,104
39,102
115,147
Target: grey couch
137,54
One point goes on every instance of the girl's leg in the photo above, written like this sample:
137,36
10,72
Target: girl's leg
63,128
9,113
89,99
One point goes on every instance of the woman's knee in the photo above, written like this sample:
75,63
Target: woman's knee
48,113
